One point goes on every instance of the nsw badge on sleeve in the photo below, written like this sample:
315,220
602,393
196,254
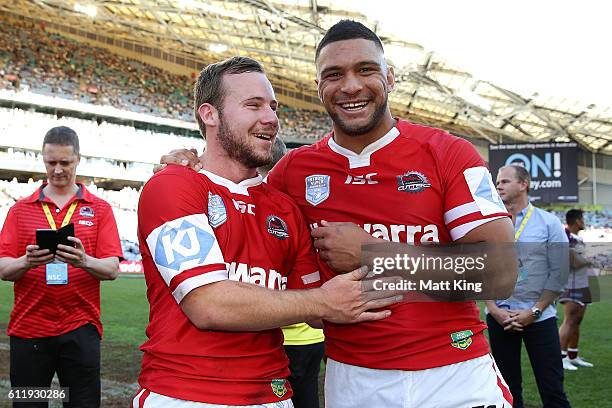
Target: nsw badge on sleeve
57,273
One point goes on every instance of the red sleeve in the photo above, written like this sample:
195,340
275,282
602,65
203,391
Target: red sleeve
175,232
108,243
9,244
470,197
276,176
305,272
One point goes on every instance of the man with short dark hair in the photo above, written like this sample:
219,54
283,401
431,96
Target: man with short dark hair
376,178
55,324
577,294
529,315
221,251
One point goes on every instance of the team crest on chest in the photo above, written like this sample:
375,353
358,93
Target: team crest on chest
86,212
412,182
217,214
317,188
277,227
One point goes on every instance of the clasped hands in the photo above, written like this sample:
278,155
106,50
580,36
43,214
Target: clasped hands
514,320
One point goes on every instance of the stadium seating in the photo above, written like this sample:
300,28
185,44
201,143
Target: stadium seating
47,63
108,150
24,130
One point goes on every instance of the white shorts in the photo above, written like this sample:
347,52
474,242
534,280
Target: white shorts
149,399
475,383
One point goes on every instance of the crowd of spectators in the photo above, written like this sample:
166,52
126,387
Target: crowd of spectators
303,124
34,59
48,63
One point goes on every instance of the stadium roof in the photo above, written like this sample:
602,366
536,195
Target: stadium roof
283,36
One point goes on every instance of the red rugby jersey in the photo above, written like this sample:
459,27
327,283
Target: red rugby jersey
415,185
43,310
199,228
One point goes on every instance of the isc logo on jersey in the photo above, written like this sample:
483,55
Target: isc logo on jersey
483,190
183,244
363,179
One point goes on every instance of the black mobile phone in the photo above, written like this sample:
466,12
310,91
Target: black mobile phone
47,239
63,234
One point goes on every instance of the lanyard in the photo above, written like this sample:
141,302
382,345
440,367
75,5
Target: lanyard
518,233
66,218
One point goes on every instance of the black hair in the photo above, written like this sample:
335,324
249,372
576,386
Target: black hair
573,215
347,30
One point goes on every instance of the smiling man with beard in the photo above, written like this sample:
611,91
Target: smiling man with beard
219,250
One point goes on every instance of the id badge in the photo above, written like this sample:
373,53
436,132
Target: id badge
57,273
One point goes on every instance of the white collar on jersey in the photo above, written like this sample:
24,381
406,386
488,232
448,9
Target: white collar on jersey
240,188
363,159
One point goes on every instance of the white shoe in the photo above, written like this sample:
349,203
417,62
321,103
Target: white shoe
578,362
567,365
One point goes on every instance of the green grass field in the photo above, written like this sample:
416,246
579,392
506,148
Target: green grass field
125,315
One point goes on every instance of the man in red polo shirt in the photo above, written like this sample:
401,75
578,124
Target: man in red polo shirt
55,323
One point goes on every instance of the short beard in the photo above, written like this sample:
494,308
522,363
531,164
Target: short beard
237,150
368,127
